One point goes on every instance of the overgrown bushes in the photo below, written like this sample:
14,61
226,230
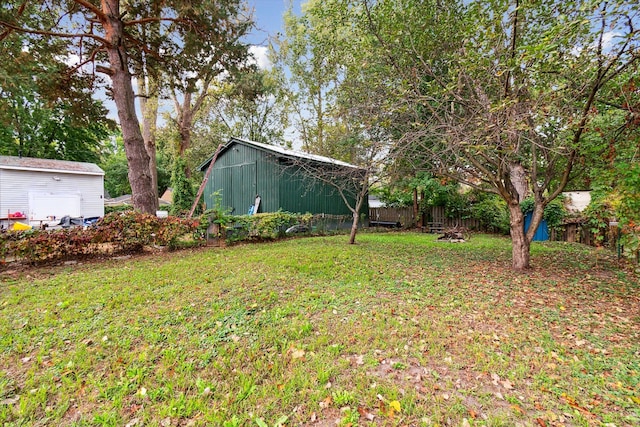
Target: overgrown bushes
492,213
130,232
115,233
265,226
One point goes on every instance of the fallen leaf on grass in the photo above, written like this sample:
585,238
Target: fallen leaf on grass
541,422
297,353
326,402
507,384
495,378
574,404
364,413
10,400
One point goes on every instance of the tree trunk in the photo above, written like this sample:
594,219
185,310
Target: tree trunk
185,121
416,211
149,110
520,243
354,227
143,195
519,180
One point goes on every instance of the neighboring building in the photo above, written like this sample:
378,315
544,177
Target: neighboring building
127,200
167,197
576,201
45,190
246,169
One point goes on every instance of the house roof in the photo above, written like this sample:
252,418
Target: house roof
49,165
285,152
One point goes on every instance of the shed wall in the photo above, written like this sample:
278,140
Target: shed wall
241,172
16,185
301,193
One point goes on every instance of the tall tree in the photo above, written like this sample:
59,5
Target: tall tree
44,112
312,61
104,34
208,64
501,93
252,106
337,52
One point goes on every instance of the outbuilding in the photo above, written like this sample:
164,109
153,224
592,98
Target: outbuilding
283,179
37,191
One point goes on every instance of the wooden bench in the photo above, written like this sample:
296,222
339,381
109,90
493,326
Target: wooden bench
435,227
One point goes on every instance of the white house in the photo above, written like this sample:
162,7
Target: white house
36,191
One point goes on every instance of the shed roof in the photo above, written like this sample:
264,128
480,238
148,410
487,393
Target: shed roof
49,165
285,152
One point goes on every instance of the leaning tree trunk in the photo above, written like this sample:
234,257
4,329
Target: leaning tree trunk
520,243
142,192
356,215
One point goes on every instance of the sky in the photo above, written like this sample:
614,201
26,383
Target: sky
268,22
268,18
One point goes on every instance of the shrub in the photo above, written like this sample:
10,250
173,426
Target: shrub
264,226
183,192
492,213
117,208
117,232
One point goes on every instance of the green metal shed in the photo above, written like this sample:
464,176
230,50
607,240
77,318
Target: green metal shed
281,177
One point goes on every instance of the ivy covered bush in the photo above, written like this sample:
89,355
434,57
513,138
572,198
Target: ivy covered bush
492,213
264,226
621,204
117,232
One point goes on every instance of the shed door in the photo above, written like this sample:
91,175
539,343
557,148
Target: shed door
243,187
52,206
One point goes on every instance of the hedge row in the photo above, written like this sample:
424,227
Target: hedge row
130,232
124,232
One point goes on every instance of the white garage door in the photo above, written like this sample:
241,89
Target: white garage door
51,206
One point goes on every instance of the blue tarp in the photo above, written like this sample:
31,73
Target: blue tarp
542,233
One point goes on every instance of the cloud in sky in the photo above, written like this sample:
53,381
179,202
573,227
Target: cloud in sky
261,57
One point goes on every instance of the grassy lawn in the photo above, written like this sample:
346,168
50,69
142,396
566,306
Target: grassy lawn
396,330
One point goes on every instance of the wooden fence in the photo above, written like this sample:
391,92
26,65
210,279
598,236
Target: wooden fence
435,221
391,217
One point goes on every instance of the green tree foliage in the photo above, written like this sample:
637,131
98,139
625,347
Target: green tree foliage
252,106
310,51
46,112
500,94
183,191
110,37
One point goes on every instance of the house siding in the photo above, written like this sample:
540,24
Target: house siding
16,186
